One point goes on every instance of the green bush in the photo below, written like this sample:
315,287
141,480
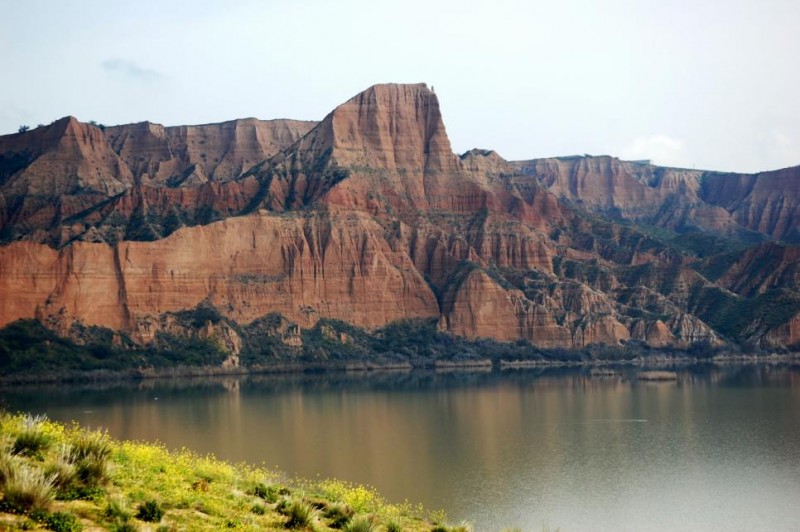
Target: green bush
268,493
122,526
62,522
77,492
150,511
258,509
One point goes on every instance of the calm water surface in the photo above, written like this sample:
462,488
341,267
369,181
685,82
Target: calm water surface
717,450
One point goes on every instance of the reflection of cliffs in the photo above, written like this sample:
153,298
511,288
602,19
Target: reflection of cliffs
368,217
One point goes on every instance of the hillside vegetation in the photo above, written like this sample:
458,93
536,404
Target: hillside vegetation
68,478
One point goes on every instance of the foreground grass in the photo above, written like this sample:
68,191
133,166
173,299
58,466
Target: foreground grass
67,478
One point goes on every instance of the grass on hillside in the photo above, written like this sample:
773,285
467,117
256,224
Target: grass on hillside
67,478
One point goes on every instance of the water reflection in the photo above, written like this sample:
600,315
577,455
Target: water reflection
716,448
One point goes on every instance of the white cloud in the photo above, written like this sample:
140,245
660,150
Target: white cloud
660,149
129,70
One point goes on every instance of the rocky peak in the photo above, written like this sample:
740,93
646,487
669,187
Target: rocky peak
479,160
64,157
390,126
384,150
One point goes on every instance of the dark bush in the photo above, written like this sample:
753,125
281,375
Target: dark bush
62,522
150,511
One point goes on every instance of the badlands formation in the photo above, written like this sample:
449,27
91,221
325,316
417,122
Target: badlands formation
368,217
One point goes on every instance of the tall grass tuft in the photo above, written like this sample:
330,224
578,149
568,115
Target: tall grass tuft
462,527
91,443
360,523
123,526
91,451
338,514
8,463
27,489
393,526
117,509
92,471
32,441
119,514
300,513
62,468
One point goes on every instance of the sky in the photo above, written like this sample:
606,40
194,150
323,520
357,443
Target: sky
708,84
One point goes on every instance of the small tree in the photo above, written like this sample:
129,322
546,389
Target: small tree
23,128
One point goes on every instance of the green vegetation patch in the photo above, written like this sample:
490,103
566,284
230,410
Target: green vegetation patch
144,486
744,319
28,348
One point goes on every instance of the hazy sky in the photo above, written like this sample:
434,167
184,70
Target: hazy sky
707,83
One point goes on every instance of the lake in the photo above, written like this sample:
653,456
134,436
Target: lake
718,449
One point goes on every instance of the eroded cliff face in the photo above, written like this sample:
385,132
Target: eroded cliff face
369,218
344,266
63,158
302,268
71,180
192,155
733,205
760,269
766,203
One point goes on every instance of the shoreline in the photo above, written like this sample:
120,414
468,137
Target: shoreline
370,367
